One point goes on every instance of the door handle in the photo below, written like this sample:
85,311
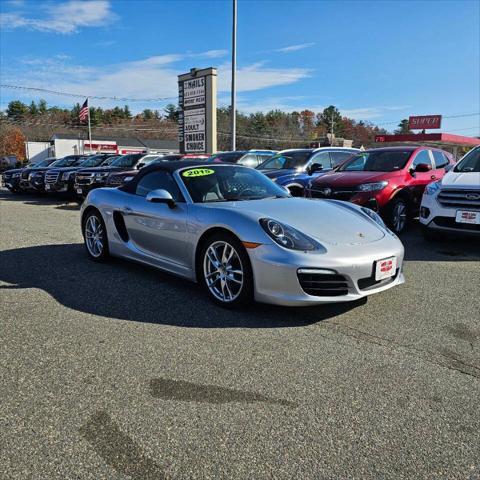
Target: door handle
127,211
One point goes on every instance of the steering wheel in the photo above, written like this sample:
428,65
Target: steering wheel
245,191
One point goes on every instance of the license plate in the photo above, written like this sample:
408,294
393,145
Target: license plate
464,216
79,191
47,187
385,268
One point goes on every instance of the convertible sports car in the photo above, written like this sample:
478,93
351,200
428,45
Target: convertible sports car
242,236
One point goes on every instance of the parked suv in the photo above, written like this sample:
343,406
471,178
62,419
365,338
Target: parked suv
91,178
62,179
11,178
452,204
293,168
249,158
388,180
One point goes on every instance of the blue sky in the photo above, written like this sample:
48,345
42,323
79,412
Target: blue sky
376,60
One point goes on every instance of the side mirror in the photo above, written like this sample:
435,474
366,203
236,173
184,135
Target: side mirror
160,196
314,167
422,168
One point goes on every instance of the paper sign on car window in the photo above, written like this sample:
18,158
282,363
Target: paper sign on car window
198,172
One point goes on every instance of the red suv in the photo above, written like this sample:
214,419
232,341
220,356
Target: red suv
388,180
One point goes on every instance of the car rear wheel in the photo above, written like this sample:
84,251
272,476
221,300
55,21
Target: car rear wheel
95,236
226,272
398,215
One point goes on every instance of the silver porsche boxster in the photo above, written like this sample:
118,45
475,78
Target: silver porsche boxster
242,236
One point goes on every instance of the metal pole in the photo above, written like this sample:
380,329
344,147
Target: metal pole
89,127
233,113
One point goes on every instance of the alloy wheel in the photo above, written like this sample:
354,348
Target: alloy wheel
399,216
94,237
223,271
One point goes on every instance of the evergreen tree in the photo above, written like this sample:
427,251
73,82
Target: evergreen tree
33,109
42,106
16,110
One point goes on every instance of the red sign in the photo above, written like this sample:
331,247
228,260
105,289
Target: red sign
100,146
424,121
380,138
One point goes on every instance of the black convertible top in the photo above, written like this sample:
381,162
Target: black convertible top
171,167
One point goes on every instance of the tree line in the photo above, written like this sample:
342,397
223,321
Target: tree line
274,129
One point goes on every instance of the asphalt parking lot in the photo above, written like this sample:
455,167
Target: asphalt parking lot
120,371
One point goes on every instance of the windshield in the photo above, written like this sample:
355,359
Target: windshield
44,163
287,160
94,161
64,162
125,161
217,183
377,161
470,162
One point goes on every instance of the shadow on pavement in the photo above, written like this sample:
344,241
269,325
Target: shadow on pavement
61,200
129,291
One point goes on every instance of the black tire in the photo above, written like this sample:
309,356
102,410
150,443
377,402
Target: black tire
96,253
295,191
398,215
240,261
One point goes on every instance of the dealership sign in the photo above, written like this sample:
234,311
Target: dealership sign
197,123
422,122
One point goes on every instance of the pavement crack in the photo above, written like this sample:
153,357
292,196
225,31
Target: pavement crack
448,360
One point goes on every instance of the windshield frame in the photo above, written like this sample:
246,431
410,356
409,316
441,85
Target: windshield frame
177,175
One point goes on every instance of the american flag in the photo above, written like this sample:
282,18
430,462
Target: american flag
83,114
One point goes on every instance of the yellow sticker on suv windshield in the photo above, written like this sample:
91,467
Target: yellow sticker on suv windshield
198,172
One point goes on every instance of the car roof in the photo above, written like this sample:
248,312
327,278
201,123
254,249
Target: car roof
410,148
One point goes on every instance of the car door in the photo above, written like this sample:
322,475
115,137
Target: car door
322,158
155,229
419,180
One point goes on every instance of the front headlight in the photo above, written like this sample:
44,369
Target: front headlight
289,237
15,175
432,188
372,187
101,176
66,175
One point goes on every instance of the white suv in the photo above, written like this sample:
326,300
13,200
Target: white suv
453,203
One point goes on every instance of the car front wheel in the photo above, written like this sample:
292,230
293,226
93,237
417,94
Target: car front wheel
398,215
95,236
225,271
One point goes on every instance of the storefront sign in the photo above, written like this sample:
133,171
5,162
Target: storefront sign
424,121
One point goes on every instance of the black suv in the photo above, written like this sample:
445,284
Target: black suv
12,178
62,179
89,179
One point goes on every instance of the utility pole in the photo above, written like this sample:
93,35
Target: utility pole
233,113
332,124
89,126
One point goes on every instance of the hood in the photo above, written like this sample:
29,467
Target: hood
328,221
101,169
461,179
343,179
13,170
66,169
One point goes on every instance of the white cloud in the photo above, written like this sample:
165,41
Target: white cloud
150,77
215,53
64,18
294,48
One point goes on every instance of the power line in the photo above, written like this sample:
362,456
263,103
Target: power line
79,95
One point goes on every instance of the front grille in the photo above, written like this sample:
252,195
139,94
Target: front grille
116,180
456,198
323,284
449,222
345,193
84,178
369,282
51,177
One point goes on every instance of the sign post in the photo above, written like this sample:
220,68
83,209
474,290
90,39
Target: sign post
197,122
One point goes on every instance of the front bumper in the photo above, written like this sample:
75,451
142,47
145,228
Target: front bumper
11,183
438,218
59,186
365,199
277,281
83,189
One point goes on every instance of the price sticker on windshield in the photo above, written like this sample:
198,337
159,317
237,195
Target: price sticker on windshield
198,172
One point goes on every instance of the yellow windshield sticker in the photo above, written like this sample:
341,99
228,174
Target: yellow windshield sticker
198,172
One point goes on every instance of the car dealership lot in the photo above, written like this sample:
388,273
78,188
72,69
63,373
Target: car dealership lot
121,371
